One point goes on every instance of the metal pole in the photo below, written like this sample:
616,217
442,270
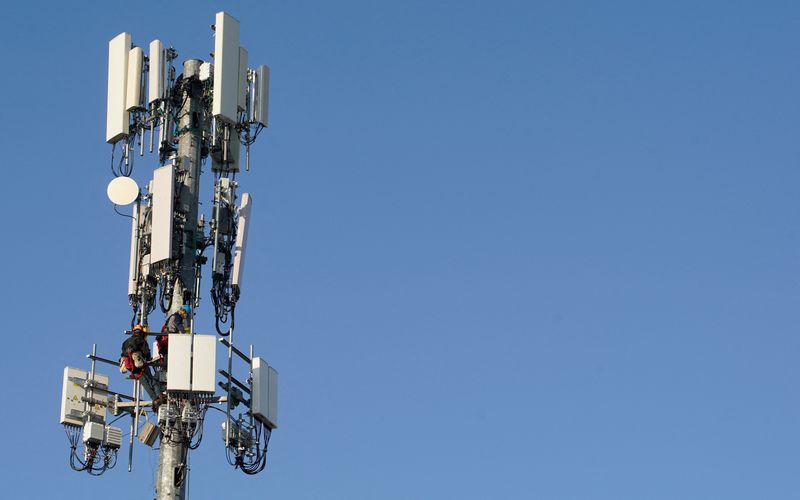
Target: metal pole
89,388
171,480
171,475
134,423
189,145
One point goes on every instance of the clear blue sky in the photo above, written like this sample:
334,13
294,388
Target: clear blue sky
508,249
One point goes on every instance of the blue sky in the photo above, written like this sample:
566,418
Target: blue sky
517,250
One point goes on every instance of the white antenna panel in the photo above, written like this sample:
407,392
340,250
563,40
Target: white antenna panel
192,361
156,77
72,392
243,84
206,71
226,67
204,363
261,101
163,191
241,238
179,360
264,402
134,87
116,113
273,397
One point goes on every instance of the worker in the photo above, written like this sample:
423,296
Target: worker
135,347
177,322
135,357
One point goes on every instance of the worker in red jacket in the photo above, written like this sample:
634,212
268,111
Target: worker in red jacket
135,357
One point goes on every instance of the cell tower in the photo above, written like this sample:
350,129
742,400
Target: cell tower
208,110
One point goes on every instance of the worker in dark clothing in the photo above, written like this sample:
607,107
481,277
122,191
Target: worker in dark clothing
135,357
136,346
177,322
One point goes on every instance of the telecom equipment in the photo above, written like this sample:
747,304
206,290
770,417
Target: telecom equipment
209,110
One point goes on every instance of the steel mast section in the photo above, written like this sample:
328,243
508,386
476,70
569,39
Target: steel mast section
173,453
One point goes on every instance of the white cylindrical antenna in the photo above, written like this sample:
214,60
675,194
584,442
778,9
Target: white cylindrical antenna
158,64
261,107
116,113
134,85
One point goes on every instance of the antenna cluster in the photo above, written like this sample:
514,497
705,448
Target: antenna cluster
209,110
145,98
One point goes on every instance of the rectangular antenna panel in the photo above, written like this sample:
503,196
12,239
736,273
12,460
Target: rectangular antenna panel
272,417
179,359
163,191
259,404
116,114
134,86
156,75
206,71
72,390
192,367
226,67
133,271
243,83
241,239
204,364
264,403
261,100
